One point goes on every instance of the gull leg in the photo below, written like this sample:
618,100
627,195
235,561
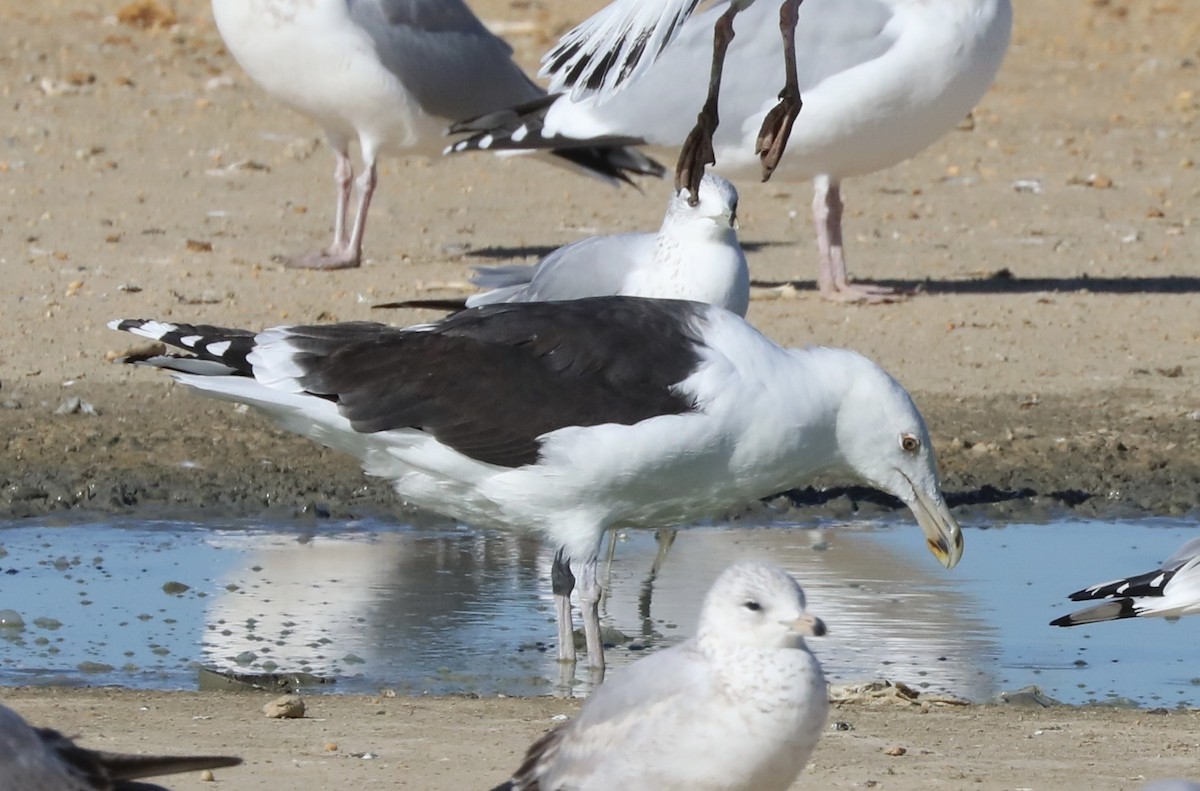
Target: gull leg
343,175
343,178
832,279
777,126
608,561
589,603
664,538
697,150
562,582
345,253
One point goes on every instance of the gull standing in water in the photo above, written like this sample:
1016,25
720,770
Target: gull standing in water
738,707
881,80
695,255
570,418
390,74
42,759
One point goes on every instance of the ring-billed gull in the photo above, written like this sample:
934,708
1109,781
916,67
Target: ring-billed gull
572,417
390,74
619,43
881,80
695,255
740,706
1170,591
42,759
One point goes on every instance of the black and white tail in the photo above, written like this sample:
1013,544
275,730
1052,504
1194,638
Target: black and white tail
521,129
211,351
1171,591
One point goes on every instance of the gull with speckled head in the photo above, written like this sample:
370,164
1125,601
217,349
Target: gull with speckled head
694,255
570,418
1170,591
881,81
42,759
390,74
738,707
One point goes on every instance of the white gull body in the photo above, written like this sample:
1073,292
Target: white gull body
1170,591
738,707
695,255
569,418
389,74
880,80
42,759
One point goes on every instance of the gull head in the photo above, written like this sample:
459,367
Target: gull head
882,437
757,604
717,208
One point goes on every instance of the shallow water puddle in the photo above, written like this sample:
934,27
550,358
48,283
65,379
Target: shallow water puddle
441,610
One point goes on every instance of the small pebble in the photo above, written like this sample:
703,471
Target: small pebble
895,751
207,776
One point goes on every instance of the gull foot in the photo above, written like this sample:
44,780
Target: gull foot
697,152
863,293
323,259
775,130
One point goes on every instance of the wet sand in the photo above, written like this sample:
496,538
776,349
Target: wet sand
1053,346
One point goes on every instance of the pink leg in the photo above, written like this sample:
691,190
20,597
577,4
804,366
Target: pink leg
832,279
366,188
344,252
343,174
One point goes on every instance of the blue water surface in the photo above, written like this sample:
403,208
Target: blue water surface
375,605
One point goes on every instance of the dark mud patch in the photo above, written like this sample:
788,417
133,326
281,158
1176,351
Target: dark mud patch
164,452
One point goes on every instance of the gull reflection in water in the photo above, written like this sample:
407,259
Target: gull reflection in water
889,616
458,610
412,609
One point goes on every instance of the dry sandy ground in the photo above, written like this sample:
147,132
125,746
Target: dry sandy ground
1054,349
459,743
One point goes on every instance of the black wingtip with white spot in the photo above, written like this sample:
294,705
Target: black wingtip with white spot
1152,583
521,128
204,344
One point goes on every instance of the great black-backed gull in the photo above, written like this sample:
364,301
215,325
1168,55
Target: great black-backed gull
569,418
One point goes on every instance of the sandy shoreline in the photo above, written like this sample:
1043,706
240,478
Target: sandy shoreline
448,743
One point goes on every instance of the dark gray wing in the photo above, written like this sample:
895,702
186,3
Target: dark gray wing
489,381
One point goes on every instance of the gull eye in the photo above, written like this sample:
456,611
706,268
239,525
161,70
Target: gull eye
752,606
909,443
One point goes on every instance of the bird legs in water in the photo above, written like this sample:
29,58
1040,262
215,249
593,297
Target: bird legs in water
346,250
697,150
562,582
